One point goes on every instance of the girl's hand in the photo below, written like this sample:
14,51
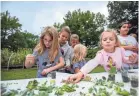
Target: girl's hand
30,57
45,71
30,60
133,48
133,57
75,77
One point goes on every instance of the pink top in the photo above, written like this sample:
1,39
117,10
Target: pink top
101,58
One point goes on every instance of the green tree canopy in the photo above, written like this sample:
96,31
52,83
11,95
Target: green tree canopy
120,11
9,25
86,24
12,36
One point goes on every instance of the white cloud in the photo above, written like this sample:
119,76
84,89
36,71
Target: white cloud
47,17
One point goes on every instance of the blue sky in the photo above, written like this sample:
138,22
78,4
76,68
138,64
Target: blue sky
33,15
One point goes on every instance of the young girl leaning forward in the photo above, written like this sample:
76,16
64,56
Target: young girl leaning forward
46,54
78,60
109,43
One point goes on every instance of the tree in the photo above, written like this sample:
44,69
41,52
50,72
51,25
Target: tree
31,39
58,26
120,11
22,40
9,25
11,35
86,24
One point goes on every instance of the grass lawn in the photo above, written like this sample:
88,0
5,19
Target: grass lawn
13,74
98,69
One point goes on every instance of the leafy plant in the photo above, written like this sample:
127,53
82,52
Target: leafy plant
121,92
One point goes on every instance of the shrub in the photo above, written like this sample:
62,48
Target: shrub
91,53
16,59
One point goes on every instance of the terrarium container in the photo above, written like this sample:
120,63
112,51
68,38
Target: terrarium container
111,77
134,81
124,74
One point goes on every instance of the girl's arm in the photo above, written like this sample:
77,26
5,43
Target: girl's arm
57,66
126,59
130,47
91,64
86,68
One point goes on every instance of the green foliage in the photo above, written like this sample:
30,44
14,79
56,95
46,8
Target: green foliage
9,25
86,24
16,59
11,35
121,92
58,26
120,11
65,88
32,84
91,53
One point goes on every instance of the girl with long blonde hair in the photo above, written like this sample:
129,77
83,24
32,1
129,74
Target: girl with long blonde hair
47,53
78,60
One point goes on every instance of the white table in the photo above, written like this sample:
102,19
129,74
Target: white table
21,84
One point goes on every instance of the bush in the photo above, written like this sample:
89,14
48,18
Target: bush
16,59
91,53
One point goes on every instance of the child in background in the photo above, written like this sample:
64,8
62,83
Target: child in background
46,54
128,42
74,39
78,60
64,35
109,43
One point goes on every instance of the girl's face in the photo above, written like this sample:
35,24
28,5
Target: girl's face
74,42
108,41
63,37
47,41
124,29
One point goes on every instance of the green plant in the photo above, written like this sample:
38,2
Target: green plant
91,53
111,69
17,58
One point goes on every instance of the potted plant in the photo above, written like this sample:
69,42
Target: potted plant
133,92
134,81
125,76
111,69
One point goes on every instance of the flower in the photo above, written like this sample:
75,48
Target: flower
111,66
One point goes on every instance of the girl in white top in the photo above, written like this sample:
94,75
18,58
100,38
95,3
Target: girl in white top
128,42
109,43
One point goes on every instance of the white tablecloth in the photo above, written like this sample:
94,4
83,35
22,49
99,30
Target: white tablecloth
21,84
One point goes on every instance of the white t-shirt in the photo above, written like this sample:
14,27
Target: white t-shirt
126,41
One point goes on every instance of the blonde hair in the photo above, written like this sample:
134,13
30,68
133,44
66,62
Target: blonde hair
74,36
80,52
111,31
40,48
